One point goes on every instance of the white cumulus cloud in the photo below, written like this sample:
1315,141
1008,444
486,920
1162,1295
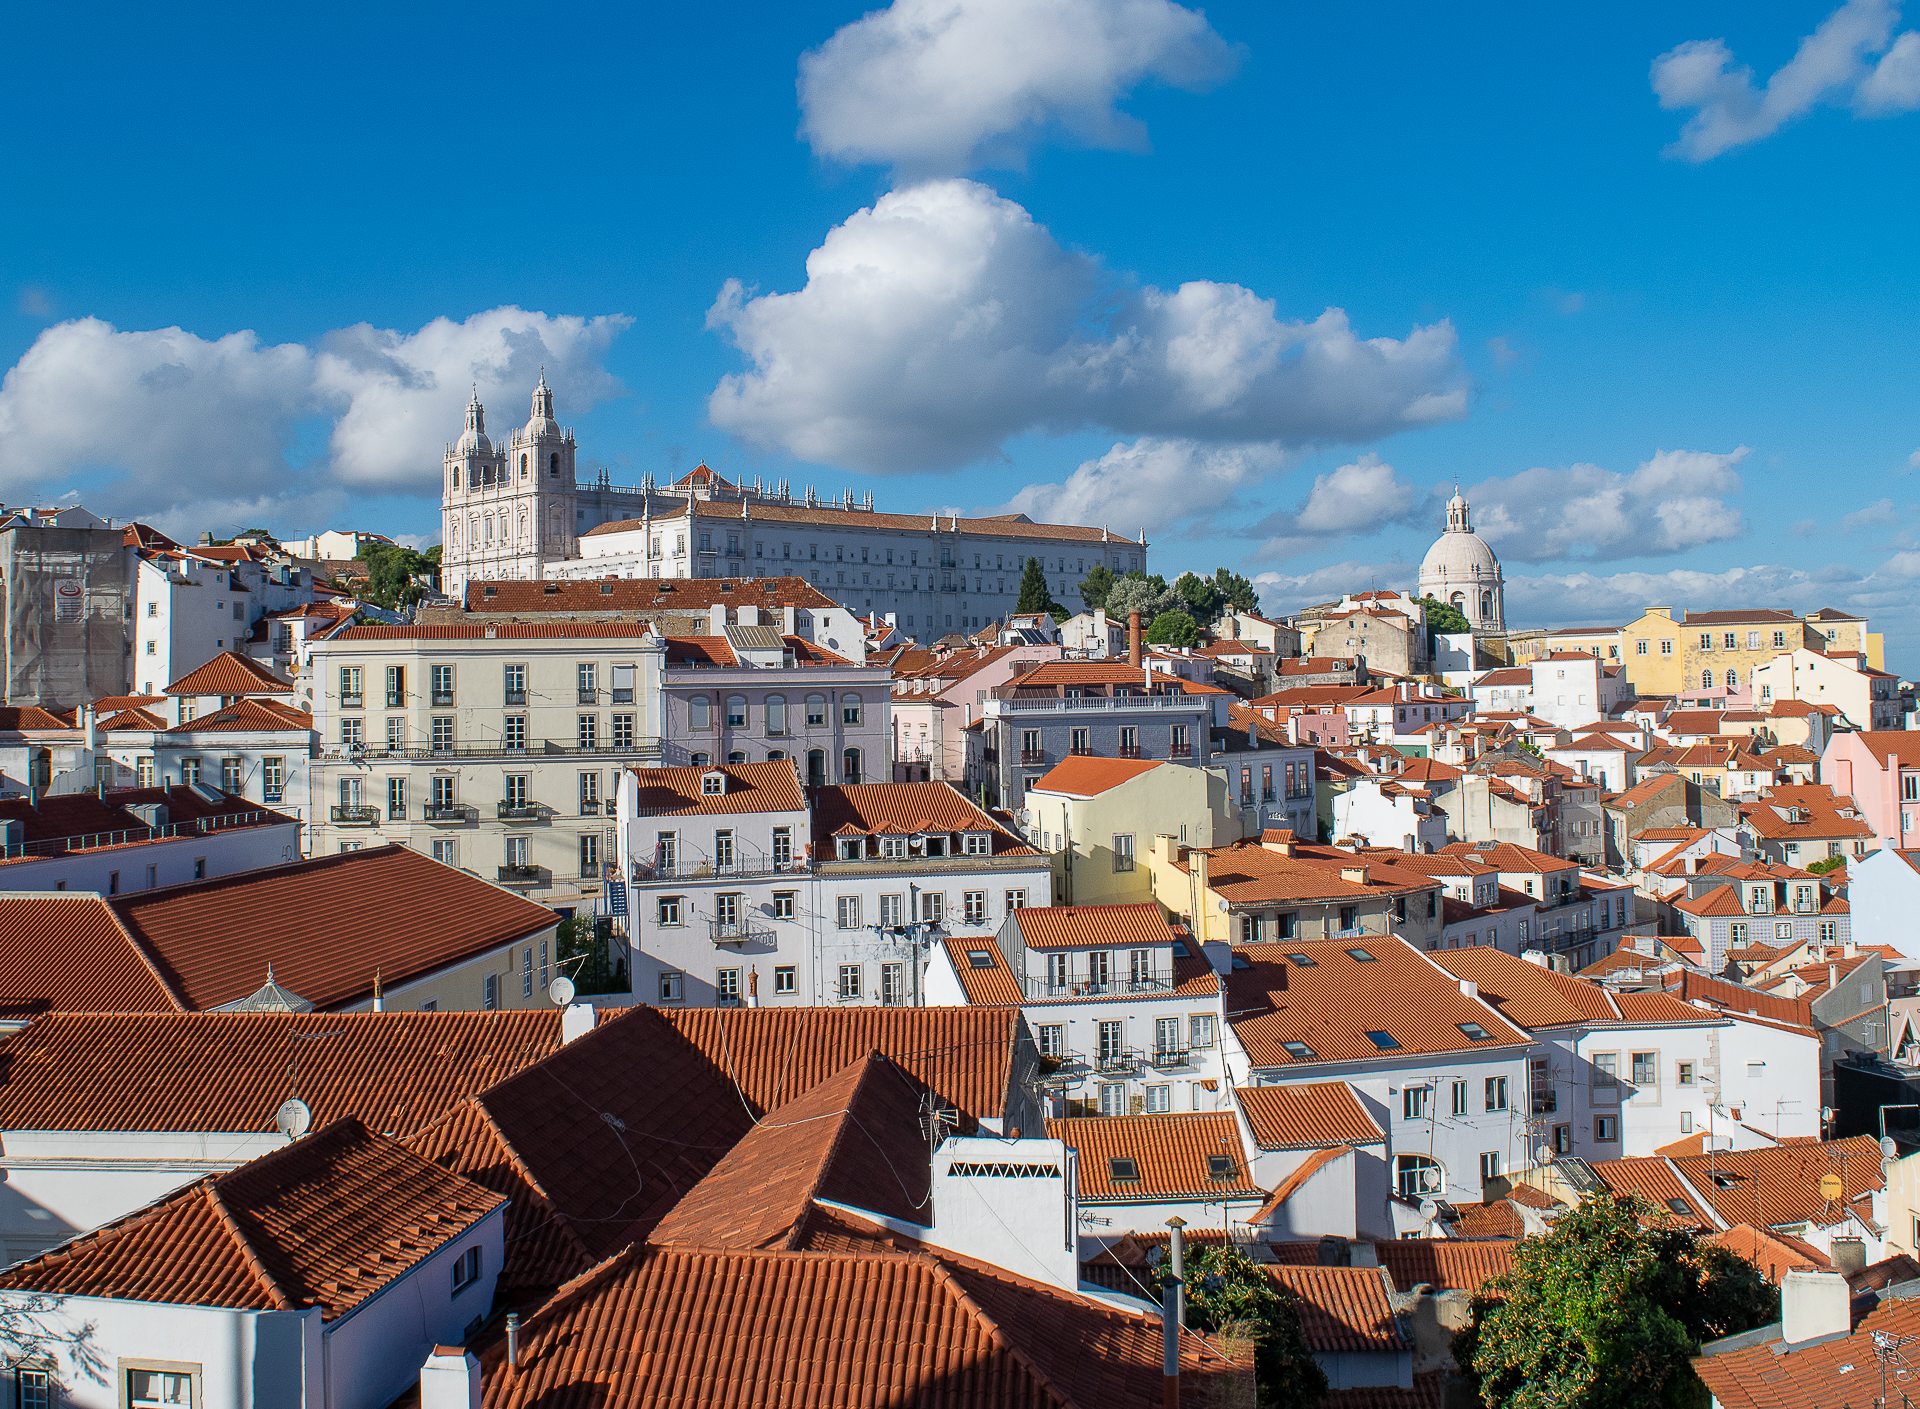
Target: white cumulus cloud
1355,499
1671,503
190,431
1147,483
1281,592
1852,60
936,87
943,320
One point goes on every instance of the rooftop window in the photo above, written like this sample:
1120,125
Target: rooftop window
1304,961
1681,1207
1360,956
1123,1171
1475,1032
1300,1051
1385,1041
1219,1167
979,959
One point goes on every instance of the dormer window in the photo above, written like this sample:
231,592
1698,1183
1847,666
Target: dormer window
979,843
934,844
852,848
713,784
893,848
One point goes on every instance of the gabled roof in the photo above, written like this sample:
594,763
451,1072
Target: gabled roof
1311,1114
1444,1263
230,673
1106,926
1085,776
246,716
1169,1152
18,718
228,1072
1332,1003
1510,857
1780,1184
750,787
855,1139
1768,1374
1343,1308
69,952
993,983
329,1220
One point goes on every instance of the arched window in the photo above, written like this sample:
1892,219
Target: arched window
1733,680
473,528
736,711
454,532
523,526
816,711
1418,1175
1459,601
553,465
776,715
776,755
456,477
850,766
697,717
523,467
1706,679
736,757
488,525
849,709
701,760
816,768
1486,606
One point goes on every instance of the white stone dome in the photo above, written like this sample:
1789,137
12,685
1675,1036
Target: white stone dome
1461,570
474,438
1458,556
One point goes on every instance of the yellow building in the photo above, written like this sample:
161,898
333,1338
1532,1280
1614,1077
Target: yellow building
1650,649
1098,818
1849,633
1721,650
1601,641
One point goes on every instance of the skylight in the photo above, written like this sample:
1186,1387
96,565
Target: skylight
1219,1167
1681,1207
1475,1032
1385,1041
1123,1171
1300,1051
1241,961
1303,961
979,959
1360,956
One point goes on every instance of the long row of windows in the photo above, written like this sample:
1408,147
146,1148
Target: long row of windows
441,691
517,853
738,714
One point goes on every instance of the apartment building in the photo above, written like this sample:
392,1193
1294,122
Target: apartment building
1866,698
1721,650
1880,770
1096,817
494,748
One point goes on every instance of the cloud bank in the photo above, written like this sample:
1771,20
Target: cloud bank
1852,60
937,87
1672,503
944,320
190,432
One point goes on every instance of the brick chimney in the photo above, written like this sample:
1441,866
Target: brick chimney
1133,639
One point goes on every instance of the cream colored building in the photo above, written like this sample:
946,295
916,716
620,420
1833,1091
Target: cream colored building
1098,817
1868,698
1650,647
495,749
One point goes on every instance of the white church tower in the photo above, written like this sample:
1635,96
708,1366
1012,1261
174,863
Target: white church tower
507,512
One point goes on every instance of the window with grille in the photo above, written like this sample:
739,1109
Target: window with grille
726,985
1053,1040
849,981
589,732
1418,1175
589,856
1414,1102
976,907
1496,1093
397,799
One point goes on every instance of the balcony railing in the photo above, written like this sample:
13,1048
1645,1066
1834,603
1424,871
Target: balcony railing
1081,751
351,815
1129,751
1083,985
645,872
590,807
88,841
1165,1057
643,747
589,697
353,701
1030,757
396,699
1101,702
520,875
520,811
1126,1059
516,697
458,812
740,932
442,699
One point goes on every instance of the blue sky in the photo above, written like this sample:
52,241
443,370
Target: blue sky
1656,316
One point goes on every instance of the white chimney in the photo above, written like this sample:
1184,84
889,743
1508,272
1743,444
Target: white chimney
1469,988
1812,1304
450,1379
576,1021
717,619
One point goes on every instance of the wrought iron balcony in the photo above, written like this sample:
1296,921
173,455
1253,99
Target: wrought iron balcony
516,697
1129,750
396,699
353,701
590,807
442,699
520,875
589,697
352,815
741,932
1165,1057
1030,757
457,812
1125,1059
520,811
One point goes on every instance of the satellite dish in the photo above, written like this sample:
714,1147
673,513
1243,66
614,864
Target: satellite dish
1831,1187
1223,907
561,990
293,1119
1889,1147
1429,1210
1543,1154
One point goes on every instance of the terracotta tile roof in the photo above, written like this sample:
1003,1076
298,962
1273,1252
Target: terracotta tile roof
856,1138
1170,1154
1052,673
504,631
700,651
1656,1180
227,1072
1343,1308
1737,616
1109,926
329,1220
830,517
1314,1113
326,925
751,787
993,983
1498,679
133,719
15,718
230,673
806,654
1821,811
1444,1263
1248,873
1427,1392
1529,994
1773,1253
69,952
114,704
1772,1376
1694,721
246,716
685,594
1332,1005
908,808
830,1328
1780,1184
1688,985
1508,856
1089,777
1719,902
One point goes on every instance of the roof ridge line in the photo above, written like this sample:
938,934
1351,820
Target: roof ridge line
520,1167
266,1279
153,966
995,1333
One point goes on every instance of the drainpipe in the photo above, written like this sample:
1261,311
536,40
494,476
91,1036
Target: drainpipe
1170,1342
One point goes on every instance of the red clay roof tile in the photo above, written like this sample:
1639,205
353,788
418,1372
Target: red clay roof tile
1170,1153
750,787
1313,1113
230,673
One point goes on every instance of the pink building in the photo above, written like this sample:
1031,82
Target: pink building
1881,770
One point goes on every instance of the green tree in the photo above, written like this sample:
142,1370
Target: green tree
1034,596
1236,591
1605,1311
391,571
1444,617
1173,629
1095,586
1831,863
1205,601
1226,1290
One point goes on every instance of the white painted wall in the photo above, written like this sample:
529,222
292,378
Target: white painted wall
172,860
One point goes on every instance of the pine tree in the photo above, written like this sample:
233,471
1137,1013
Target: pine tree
1034,596
1095,586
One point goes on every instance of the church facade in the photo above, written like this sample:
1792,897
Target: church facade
1460,569
515,509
